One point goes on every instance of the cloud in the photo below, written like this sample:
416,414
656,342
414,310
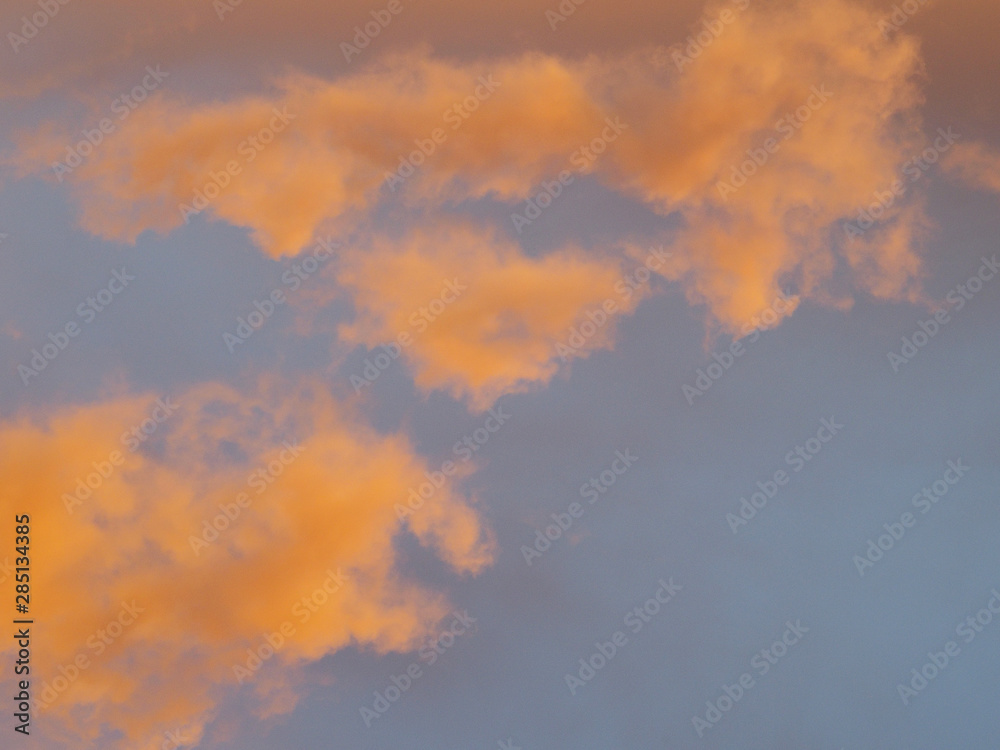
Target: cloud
763,138
836,101
87,46
477,317
129,539
319,152
775,130
976,164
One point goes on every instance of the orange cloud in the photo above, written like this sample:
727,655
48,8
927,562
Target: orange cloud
772,132
319,152
976,164
762,139
122,576
475,316
83,49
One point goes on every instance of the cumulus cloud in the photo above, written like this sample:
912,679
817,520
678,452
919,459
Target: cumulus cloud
770,134
475,316
320,491
762,140
320,152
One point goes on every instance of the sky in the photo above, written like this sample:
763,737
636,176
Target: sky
425,374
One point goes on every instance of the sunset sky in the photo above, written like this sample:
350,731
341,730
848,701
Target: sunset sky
425,375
